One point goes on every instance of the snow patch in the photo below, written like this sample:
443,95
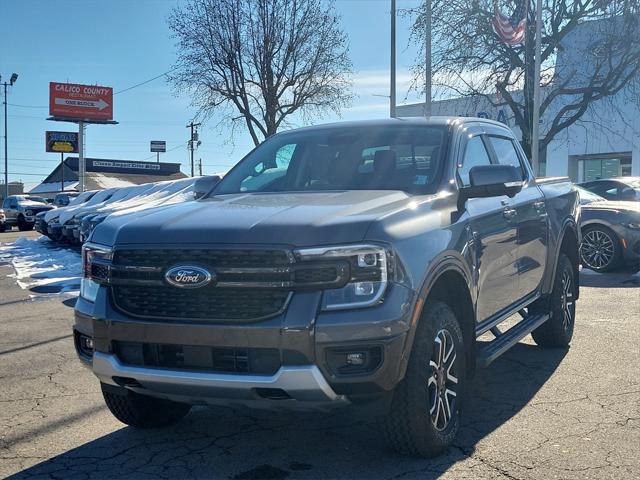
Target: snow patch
39,263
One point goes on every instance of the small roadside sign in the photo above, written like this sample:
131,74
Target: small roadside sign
158,146
80,102
61,142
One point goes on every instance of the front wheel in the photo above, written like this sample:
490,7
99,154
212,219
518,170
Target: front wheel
425,412
558,330
23,225
142,411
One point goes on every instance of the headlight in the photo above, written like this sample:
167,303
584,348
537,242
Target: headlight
369,274
95,269
28,213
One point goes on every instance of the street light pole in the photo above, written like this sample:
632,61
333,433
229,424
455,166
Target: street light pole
12,80
6,161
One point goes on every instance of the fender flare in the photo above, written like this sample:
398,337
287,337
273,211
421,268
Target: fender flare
568,224
449,261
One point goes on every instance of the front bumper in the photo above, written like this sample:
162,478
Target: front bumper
300,383
304,338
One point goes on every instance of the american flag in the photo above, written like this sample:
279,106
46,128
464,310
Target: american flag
511,29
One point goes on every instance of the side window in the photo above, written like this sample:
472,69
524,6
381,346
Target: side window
506,152
475,154
270,169
5,203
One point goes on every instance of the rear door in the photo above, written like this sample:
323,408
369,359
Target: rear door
494,237
530,217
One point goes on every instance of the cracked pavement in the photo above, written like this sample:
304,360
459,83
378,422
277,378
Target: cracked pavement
533,414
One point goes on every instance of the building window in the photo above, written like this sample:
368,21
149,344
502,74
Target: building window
595,167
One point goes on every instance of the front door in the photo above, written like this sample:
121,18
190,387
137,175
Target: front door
494,236
530,217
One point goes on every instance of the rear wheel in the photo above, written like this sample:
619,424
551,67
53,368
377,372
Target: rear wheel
558,330
425,412
142,411
600,249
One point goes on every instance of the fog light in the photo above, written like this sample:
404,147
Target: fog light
364,289
356,358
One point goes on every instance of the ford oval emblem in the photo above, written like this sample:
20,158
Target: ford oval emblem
188,276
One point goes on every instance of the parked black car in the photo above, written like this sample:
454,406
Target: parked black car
610,232
623,189
347,263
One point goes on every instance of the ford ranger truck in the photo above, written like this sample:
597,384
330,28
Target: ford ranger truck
343,264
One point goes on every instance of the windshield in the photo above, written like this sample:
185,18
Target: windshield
588,197
31,198
400,157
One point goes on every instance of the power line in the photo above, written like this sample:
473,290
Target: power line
146,81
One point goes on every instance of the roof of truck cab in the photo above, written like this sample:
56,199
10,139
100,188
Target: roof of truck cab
390,122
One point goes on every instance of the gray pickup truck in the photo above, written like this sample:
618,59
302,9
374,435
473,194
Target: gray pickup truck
21,210
351,263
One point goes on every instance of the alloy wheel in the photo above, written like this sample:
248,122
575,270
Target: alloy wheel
567,301
443,380
597,249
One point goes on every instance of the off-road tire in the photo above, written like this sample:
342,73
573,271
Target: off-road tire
615,255
408,426
141,411
23,226
558,330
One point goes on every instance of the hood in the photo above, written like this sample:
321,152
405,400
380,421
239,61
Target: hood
613,206
300,219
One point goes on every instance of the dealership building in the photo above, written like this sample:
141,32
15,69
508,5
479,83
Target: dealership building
604,143
105,173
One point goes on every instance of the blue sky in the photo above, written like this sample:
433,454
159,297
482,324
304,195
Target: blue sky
120,43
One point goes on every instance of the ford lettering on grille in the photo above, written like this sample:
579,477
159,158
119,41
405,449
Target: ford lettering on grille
188,276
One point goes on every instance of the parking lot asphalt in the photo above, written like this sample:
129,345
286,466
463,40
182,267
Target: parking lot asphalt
533,414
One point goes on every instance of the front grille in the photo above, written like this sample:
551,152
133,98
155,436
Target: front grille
247,285
230,258
209,303
257,361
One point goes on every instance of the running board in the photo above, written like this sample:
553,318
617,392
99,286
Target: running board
508,339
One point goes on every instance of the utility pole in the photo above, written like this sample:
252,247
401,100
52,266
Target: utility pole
200,167
427,58
62,171
392,80
81,160
12,80
535,128
194,138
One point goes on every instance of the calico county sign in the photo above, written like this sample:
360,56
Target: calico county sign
80,102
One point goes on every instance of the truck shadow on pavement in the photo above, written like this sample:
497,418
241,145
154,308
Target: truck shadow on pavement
240,444
622,279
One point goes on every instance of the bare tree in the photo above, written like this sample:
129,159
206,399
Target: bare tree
469,59
261,61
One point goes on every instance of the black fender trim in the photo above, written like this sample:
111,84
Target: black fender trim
448,262
569,223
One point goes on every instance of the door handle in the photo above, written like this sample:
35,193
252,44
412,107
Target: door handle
509,213
540,206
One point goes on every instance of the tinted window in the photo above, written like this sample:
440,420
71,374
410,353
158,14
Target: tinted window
475,154
506,152
357,158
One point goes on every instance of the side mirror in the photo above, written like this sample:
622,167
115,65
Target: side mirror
204,185
491,181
